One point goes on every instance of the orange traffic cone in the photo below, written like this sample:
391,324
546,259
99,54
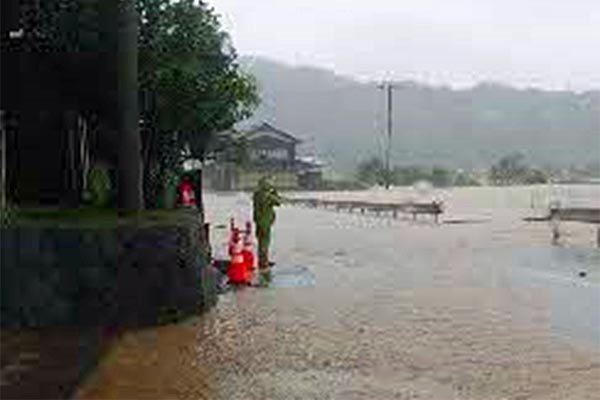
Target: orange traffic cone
248,252
237,270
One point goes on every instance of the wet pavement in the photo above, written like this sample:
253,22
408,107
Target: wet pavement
363,307
47,363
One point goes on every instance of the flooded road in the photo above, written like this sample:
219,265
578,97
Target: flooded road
366,307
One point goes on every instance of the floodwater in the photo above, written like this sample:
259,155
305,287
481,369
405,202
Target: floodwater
367,307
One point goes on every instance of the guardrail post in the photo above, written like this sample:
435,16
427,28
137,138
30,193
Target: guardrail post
555,223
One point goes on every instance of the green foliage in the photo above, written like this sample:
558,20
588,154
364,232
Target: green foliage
373,172
169,189
535,176
406,176
232,148
7,214
511,169
440,177
85,217
99,187
187,61
68,41
241,152
462,179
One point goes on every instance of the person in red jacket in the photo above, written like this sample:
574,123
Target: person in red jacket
185,191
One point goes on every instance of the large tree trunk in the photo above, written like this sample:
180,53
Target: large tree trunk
130,196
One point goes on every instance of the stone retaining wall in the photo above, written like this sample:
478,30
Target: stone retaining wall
127,275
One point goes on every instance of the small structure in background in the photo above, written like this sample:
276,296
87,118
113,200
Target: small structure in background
262,150
310,173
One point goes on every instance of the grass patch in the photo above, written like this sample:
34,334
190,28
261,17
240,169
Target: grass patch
95,217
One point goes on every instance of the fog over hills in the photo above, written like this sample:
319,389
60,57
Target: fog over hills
343,120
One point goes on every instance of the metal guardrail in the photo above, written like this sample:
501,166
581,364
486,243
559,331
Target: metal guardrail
412,208
580,214
589,215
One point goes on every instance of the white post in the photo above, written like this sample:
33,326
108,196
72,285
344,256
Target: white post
555,224
555,230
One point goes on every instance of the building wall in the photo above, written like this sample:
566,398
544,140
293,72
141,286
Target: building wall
310,180
269,155
227,177
271,149
281,179
219,176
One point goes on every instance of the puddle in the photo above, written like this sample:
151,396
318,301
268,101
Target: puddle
292,277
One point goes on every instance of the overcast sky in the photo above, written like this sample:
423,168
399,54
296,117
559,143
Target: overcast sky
539,43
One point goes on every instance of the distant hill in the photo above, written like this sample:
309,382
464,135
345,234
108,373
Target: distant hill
343,120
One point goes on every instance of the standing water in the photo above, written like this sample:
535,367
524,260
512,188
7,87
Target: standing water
370,307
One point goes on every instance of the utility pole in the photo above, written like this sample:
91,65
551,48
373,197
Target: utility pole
388,87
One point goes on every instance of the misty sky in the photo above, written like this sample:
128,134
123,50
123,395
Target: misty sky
539,43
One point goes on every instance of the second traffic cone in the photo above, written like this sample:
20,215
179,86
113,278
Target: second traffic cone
248,252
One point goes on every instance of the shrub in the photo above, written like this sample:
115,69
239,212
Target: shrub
99,187
7,214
